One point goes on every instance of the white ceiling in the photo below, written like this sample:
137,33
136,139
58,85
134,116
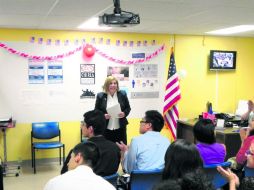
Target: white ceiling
157,16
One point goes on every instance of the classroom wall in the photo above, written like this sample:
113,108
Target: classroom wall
224,89
70,127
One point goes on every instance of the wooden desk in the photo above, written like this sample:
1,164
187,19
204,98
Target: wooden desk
226,136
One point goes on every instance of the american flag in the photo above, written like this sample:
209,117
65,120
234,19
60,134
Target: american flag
172,96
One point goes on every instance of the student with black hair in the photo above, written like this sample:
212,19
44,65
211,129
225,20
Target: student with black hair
210,151
193,180
80,175
247,183
181,157
146,152
93,127
247,138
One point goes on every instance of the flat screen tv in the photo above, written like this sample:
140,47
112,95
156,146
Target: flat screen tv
222,60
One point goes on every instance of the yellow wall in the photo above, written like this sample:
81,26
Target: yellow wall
198,87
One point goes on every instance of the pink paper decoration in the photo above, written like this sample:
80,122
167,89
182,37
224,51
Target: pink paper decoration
72,52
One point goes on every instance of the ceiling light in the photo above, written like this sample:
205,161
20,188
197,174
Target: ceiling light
232,30
92,24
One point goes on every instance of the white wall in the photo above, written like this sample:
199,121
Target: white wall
47,102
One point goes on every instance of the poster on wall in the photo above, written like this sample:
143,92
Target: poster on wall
87,73
87,93
36,71
146,70
145,81
121,73
55,72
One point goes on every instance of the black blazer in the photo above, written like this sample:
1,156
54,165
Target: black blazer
101,104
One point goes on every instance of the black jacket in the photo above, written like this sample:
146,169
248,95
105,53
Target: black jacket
109,157
101,104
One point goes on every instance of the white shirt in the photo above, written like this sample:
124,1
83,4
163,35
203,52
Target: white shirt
113,122
81,178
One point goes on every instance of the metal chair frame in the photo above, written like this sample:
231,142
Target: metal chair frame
46,131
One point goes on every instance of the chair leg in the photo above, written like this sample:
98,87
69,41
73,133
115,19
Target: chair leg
32,156
34,150
63,154
60,155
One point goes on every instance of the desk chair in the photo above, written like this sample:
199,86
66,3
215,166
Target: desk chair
112,179
248,172
45,131
144,180
217,179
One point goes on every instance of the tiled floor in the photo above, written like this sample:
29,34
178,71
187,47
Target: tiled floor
27,180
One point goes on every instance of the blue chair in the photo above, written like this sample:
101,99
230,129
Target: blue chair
112,178
45,131
145,180
217,179
248,172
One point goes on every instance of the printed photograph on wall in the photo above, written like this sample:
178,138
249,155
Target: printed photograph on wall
121,73
87,73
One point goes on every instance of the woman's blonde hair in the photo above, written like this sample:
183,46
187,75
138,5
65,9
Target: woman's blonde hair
107,82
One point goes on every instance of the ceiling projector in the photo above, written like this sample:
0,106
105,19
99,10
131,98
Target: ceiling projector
119,17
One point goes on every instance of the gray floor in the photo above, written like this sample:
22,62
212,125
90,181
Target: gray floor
27,180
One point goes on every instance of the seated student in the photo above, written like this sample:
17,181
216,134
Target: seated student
250,155
93,127
81,176
193,180
210,151
146,152
181,157
247,136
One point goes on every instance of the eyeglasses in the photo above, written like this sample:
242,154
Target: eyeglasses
143,121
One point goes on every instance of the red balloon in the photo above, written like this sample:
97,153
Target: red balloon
89,50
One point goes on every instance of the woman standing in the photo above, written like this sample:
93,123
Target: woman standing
116,126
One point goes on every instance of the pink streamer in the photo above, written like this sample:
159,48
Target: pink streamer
104,55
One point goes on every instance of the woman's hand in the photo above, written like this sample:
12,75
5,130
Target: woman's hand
107,116
121,115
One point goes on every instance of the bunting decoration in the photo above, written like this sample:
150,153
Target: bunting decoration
77,49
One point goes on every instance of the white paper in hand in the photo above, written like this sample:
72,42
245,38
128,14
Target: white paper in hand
114,110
